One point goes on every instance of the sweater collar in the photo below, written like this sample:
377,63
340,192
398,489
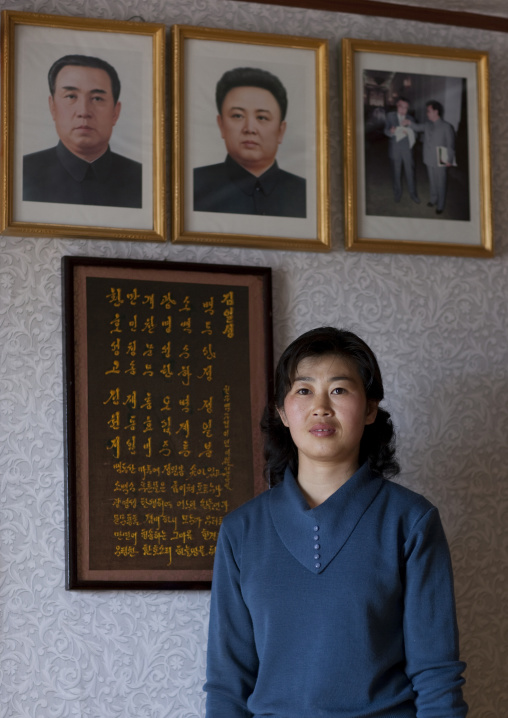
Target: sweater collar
332,522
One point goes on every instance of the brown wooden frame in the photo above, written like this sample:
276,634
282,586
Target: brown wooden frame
400,12
155,455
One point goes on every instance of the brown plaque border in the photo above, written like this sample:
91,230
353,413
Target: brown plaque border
79,464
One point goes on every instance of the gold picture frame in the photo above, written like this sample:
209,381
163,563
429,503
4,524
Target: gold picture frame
378,218
201,56
129,204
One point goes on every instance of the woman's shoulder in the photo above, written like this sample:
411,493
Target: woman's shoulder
404,501
251,509
248,522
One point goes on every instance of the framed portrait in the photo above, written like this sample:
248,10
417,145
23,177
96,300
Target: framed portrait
250,139
83,128
417,176
167,370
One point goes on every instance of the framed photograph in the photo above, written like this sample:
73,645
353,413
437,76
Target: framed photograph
167,370
83,128
417,175
250,139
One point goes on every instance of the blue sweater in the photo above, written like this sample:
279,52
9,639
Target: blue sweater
345,610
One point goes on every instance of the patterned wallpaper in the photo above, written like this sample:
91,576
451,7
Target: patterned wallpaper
439,327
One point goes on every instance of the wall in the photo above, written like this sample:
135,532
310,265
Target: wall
438,325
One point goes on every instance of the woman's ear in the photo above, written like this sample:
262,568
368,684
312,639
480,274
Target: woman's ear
371,411
282,414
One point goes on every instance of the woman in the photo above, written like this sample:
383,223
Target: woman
333,592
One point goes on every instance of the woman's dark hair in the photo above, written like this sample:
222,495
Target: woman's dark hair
377,446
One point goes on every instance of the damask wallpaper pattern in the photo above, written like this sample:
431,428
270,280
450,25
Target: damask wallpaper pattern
439,326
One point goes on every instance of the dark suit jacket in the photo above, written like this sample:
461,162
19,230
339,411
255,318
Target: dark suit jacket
57,175
227,187
397,148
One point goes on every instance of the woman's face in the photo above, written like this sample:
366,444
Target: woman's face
326,411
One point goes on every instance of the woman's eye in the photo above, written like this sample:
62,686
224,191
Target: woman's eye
338,390
303,391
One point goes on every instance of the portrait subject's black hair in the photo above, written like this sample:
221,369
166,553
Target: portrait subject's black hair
84,61
377,445
251,77
435,106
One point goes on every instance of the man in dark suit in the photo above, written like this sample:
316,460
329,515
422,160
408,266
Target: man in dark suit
252,106
81,169
400,149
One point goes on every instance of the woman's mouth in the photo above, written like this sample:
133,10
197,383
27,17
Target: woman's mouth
322,430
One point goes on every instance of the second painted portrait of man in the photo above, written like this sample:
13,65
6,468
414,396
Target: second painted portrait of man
251,109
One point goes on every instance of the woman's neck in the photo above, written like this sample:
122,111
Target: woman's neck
318,483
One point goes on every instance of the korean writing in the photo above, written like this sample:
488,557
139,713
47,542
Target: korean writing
169,365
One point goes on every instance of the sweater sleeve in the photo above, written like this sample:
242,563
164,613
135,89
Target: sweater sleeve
232,661
430,625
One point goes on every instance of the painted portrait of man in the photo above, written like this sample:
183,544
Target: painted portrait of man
84,105
251,105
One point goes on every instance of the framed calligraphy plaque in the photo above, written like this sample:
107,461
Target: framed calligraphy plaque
168,367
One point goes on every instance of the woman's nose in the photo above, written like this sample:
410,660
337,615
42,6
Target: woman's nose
322,406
